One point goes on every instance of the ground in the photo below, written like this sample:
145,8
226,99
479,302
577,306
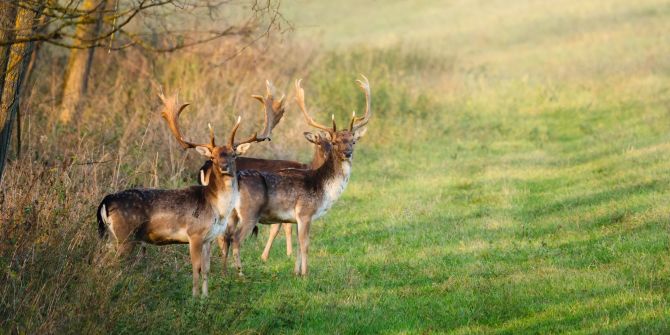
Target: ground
514,179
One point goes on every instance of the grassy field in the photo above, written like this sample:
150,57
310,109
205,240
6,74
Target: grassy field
514,179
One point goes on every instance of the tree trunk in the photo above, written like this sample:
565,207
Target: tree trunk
7,23
28,78
17,63
79,65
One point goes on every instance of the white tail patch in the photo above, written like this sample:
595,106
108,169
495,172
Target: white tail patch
107,220
103,214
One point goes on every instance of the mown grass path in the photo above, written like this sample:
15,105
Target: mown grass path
514,180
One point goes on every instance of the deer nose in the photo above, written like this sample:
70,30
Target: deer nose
348,154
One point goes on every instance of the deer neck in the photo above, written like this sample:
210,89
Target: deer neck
334,176
222,192
318,159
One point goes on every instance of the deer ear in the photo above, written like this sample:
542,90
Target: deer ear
204,176
242,148
204,151
360,133
314,138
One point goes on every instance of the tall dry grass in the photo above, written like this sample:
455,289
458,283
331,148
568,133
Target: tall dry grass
55,273
52,269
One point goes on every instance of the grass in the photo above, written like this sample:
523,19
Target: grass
514,179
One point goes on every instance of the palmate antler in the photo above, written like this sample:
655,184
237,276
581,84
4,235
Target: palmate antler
359,122
171,114
300,99
274,111
355,123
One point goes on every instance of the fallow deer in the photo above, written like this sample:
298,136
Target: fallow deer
194,215
321,147
296,195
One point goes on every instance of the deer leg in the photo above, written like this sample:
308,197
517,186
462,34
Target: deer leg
125,249
298,255
289,243
224,244
195,249
246,226
206,257
274,231
303,240
124,239
226,239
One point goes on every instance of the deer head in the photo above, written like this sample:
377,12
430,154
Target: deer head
323,147
342,141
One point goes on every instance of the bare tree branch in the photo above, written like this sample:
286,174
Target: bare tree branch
61,19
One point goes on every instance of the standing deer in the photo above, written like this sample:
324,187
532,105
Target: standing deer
296,195
321,148
194,215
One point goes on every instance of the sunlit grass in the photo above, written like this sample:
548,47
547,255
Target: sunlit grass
514,179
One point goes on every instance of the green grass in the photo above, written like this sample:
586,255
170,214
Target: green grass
530,196
514,179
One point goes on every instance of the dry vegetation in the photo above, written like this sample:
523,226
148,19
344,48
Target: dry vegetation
514,178
49,250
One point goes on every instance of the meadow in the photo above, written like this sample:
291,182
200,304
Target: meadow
514,177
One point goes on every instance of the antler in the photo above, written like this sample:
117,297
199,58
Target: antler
274,111
171,114
300,99
231,139
359,122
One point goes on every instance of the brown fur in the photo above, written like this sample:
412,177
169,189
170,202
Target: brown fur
296,195
194,215
321,149
289,195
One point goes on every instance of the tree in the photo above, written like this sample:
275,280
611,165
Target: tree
79,65
7,24
15,59
82,25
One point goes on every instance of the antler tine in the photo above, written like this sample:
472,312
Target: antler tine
358,122
231,139
171,114
160,93
274,111
269,88
300,99
211,135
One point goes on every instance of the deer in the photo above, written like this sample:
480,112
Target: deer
321,148
296,195
194,215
